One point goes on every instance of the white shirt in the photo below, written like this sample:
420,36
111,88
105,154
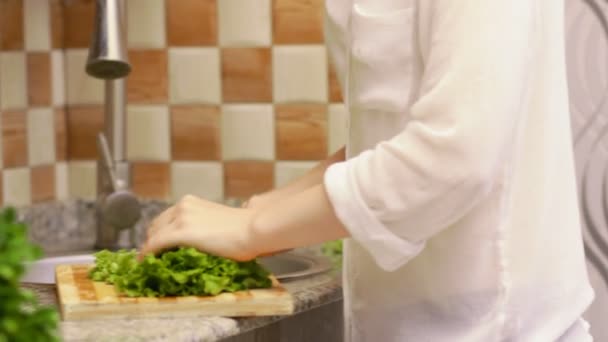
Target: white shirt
459,188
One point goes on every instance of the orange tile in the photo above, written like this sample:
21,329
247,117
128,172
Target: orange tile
191,22
147,82
83,125
151,180
43,183
243,179
301,132
61,138
247,74
11,25
297,21
57,24
195,133
335,93
14,139
39,79
78,16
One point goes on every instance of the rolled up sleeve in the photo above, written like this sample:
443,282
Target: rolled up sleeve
464,123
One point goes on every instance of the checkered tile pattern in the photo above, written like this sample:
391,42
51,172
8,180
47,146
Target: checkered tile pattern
227,97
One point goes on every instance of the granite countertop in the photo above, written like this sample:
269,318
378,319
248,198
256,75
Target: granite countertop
308,293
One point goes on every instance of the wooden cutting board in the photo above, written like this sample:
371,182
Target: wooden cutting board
81,299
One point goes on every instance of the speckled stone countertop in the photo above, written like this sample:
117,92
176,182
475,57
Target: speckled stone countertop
308,293
67,227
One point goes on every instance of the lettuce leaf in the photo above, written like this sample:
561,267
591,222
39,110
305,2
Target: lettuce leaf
182,272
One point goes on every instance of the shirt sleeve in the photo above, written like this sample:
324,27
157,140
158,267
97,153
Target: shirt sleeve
463,124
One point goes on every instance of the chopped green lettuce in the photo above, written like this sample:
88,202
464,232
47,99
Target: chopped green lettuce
181,272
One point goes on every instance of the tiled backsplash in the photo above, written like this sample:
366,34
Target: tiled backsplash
227,97
32,102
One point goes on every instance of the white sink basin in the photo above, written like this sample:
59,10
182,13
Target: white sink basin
283,266
43,271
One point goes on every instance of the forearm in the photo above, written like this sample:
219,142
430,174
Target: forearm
304,219
311,178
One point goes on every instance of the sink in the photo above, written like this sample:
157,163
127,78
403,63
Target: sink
284,266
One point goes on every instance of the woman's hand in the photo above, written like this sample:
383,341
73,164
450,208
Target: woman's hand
204,225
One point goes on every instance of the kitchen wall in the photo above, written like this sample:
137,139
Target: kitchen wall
226,99
33,145
587,38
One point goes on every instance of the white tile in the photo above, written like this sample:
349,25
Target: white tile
285,172
40,136
13,87
81,88
300,73
146,23
245,22
194,75
17,187
37,22
58,77
248,132
202,179
338,127
82,179
148,133
61,181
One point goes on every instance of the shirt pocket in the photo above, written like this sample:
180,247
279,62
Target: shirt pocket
381,69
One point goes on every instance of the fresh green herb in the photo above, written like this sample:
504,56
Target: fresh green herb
333,250
182,272
21,317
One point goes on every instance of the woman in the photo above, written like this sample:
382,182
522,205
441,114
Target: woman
457,198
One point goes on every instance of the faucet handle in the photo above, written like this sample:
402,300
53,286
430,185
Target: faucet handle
106,157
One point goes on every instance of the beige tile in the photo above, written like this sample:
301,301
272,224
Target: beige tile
301,131
61,138
194,75
247,132
202,179
191,22
37,25
246,75
337,127
82,179
298,22
11,25
16,187
43,183
243,179
61,181
81,88
245,23
146,23
285,172
300,74
13,82
151,179
148,133
57,78
41,136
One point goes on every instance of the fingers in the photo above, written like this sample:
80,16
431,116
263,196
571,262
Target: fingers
162,220
163,239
